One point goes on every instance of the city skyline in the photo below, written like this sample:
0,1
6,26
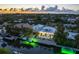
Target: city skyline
60,6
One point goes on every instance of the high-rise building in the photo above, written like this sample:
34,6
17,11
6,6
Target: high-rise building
29,9
52,8
56,7
42,8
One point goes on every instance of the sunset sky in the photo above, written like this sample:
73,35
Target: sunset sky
67,6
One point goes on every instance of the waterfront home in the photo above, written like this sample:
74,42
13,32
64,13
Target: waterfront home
45,32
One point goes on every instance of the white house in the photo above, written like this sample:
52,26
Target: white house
45,32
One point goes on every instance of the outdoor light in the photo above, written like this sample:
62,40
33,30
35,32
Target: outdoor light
33,44
34,39
67,51
25,42
30,43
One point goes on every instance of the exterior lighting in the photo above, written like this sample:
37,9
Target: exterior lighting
67,51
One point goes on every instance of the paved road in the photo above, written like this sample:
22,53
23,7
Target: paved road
54,44
47,42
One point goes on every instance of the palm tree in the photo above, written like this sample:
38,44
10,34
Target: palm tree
60,33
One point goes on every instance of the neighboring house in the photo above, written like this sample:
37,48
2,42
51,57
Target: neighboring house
18,21
2,30
45,32
72,35
30,20
71,19
70,25
23,25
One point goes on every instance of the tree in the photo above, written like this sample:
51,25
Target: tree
58,19
12,31
77,41
37,20
3,45
60,36
5,51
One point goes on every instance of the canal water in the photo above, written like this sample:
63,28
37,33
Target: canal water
24,49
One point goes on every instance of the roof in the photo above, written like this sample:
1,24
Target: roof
25,25
71,19
48,29
38,27
44,28
11,38
72,35
72,25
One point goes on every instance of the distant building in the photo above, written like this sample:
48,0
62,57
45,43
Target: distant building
67,10
56,7
52,8
29,9
71,19
43,7
36,9
70,25
2,30
45,32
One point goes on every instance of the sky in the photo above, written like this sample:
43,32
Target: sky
67,6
